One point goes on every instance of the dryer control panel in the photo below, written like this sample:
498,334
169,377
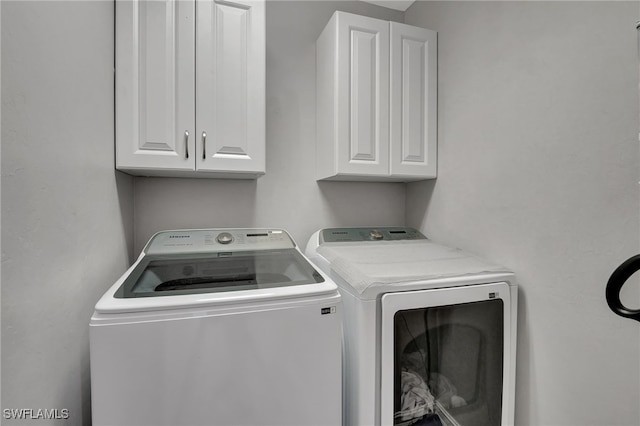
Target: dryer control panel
335,235
218,240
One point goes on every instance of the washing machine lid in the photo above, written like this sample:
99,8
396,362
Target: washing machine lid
370,264
215,267
196,273
216,261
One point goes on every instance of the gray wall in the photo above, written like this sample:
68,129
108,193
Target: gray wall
288,195
538,170
67,215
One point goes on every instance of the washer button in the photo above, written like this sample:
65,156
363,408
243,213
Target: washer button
224,238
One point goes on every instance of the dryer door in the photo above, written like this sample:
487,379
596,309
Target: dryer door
448,353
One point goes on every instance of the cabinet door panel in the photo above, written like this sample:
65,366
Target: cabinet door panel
230,82
363,95
413,101
155,84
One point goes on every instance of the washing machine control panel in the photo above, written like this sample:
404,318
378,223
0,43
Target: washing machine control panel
334,235
218,240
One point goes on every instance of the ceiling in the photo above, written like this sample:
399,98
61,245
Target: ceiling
392,4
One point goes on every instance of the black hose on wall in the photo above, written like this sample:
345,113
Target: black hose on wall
615,283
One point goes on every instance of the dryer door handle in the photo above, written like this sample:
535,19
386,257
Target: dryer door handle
615,283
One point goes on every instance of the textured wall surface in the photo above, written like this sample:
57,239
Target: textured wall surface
538,170
67,215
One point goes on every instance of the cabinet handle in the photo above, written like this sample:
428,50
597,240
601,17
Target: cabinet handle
204,145
186,144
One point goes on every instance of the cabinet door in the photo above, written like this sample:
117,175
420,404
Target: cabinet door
230,86
363,95
155,85
413,102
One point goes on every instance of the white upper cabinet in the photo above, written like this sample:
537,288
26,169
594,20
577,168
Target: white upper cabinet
190,88
155,82
230,78
376,100
353,97
414,85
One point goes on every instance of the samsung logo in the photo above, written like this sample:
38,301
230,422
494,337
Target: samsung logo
179,236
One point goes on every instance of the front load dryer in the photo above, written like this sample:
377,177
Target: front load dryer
218,327
430,331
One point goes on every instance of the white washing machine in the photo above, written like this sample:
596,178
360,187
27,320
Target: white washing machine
430,331
218,327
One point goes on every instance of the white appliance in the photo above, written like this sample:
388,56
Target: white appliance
218,327
430,331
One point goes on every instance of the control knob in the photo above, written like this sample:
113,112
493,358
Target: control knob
224,238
